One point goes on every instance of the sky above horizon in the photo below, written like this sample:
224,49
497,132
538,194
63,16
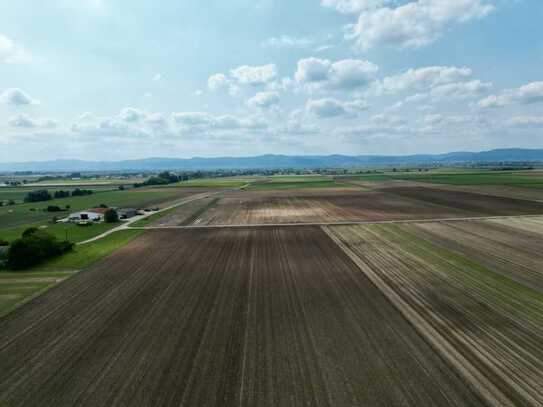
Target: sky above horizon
123,79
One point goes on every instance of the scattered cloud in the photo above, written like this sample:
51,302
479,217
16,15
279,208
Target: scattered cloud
264,100
347,74
525,95
11,53
202,121
416,79
286,41
217,82
16,97
328,107
354,6
254,75
157,77
406,25
131,115
24,121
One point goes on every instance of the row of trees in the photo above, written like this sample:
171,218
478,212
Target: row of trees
42,195
164,178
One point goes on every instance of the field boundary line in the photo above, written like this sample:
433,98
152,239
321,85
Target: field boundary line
340,223
473,377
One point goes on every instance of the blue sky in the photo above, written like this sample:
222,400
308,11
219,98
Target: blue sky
118,79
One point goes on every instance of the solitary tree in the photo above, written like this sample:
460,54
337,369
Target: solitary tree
111,216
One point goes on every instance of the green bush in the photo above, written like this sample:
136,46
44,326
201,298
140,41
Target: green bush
34,247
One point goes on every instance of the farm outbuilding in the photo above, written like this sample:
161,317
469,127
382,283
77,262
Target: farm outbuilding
94,215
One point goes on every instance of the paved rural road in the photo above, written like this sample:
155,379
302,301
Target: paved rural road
126,224
346,223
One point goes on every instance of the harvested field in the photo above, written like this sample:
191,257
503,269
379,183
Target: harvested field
248,207
472,202
275,317
489,323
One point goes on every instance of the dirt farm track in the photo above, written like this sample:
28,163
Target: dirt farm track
282,318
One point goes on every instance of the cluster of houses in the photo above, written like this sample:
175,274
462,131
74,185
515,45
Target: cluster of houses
97,214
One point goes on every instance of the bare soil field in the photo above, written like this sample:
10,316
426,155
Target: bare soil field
346,205
490,323
506,191
265,207
275,317
469,201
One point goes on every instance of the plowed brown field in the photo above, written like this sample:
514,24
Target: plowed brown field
276,317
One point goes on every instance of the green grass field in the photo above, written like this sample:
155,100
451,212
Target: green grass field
17,288
516,179
18,194
19,215
84,255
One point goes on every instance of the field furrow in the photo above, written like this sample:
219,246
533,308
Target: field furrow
274,317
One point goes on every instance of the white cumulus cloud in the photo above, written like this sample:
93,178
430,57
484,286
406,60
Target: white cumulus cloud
329,107
525,95
264,100
254,75
16,97
347,74
410,25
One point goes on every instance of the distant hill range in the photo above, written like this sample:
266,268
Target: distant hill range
278,161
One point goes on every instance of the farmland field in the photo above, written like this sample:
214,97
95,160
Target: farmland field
442,308
221,318
15,218
489,318
347,204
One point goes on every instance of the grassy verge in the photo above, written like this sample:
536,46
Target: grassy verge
84,255
17,288
63,231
